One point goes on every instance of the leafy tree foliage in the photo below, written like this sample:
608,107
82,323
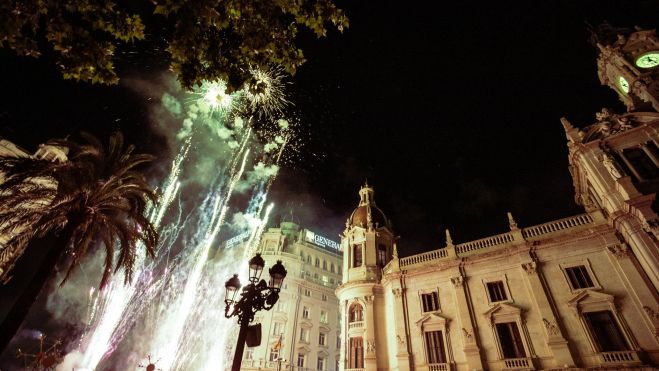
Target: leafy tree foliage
206,39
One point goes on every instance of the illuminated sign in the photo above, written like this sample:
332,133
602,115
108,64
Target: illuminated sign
321,241
233,241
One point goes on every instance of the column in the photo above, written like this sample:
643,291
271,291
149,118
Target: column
641,244
469,338
556,343
370,359
402,340
344,334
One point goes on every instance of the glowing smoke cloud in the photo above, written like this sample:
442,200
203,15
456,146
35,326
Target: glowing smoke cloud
174,310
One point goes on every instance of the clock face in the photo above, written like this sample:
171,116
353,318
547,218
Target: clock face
624,85
648,60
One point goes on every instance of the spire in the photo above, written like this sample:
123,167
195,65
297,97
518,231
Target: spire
511,222
450,247
449,240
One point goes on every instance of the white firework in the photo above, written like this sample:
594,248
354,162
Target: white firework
265,91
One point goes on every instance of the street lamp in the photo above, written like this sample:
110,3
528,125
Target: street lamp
253,298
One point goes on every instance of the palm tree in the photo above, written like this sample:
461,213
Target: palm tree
100,199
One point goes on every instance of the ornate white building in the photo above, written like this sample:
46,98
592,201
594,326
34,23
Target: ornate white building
9,256
302,331
579,292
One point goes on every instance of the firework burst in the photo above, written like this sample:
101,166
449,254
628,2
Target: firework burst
265,92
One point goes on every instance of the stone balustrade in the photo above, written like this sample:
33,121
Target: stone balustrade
439,367
358,324
517,364
557,225
426,256
499,239
626,356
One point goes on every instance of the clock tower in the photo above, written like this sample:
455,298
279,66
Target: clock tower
630,66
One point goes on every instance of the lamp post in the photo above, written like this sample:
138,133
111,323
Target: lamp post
257,295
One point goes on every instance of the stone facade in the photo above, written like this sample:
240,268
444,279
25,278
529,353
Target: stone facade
579,292
301,332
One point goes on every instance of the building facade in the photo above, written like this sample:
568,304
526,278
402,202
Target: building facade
579,292
302,331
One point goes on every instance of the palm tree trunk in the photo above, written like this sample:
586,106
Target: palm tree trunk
55,245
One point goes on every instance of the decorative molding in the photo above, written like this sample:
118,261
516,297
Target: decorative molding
457,281
398,292
400,340
368,299
468,336
620,251
610,165
370,346
530,268
551,327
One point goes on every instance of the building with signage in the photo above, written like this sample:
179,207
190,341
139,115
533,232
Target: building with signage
302,331
575,293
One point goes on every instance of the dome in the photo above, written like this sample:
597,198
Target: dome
367,211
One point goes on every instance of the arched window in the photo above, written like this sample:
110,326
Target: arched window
356,256
356,353
324,265
356,313
317,263
382,256
332,267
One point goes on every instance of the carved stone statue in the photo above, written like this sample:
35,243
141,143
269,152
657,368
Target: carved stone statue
611,166
551,327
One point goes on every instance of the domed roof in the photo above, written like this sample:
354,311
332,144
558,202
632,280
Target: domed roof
367,211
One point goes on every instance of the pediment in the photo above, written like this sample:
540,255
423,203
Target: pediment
432,317
304,349
590,297
323,353
503,309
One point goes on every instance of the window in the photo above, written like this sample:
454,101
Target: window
308,259
338,342
331,280
579,277
605,331
321,339
249,353
356,353
645,168
274,355
510,340
281,305
382,256
315,276
306,312
317,262
323,317
321,364
324,265
304,335
356,313
300,360
324,297
435,347
356,256
496,291
430,301
277,328
332,267
307,292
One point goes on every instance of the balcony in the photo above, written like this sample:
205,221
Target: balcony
518,364
356,324
620,357
439,367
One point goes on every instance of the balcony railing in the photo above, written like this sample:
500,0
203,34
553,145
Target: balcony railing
439,367
357,324
420,258
626,356
517,364
499,239
557,225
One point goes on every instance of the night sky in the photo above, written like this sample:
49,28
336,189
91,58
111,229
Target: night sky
451,112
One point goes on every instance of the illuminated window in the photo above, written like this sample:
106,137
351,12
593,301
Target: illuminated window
317,262
277,328
356,256
308,259
307,292
324,265
430,302
321,364
306,312
304,335
300,360
332,267
382,256
356,313
323,317
496,291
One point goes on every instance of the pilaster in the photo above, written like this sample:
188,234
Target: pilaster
469,338
402,340
370,354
